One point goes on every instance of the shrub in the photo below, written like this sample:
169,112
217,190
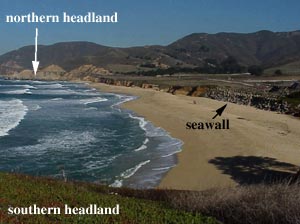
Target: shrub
278,72
255,70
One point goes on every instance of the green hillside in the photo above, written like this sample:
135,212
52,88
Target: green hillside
24,191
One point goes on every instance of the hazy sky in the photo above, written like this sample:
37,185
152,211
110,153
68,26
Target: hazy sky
146,22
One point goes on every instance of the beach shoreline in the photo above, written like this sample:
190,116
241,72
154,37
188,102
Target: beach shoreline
207,158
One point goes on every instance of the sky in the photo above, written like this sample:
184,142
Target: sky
156,22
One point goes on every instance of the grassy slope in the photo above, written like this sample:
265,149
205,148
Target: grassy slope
23,191
292,68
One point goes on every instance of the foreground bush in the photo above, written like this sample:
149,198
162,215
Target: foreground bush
265,204
254,204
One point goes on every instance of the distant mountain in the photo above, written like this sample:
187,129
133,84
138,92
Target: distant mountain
66,55
265,48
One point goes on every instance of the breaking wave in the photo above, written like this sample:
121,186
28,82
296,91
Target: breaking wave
93,100
128,173
11,114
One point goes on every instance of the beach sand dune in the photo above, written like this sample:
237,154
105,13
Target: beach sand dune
260,146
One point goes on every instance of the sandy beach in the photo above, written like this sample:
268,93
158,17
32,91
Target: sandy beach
258,144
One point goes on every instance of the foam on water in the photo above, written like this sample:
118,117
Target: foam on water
51,86
143,146
149,129
93,100
62,141
29,87
58,92
24,86
163,168
37,82
35,107
123,99
142,121
90,90
11,114
128,173
18,91
91,108
171,154
94,165
68,139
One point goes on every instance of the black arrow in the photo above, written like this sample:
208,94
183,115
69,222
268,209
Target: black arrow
220,111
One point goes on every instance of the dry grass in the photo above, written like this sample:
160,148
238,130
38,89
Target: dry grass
253,204
266,204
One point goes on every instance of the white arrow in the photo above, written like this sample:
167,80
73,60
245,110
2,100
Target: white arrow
35,63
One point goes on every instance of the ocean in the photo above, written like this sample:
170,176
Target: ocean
71,131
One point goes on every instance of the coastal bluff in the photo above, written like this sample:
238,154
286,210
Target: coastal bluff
270,97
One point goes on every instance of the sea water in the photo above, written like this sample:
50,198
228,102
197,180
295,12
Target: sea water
72,131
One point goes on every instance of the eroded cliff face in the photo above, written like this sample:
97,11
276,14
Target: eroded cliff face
85,71
196,91
54,72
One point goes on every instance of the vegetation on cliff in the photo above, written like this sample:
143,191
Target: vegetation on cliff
269,203
23,191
